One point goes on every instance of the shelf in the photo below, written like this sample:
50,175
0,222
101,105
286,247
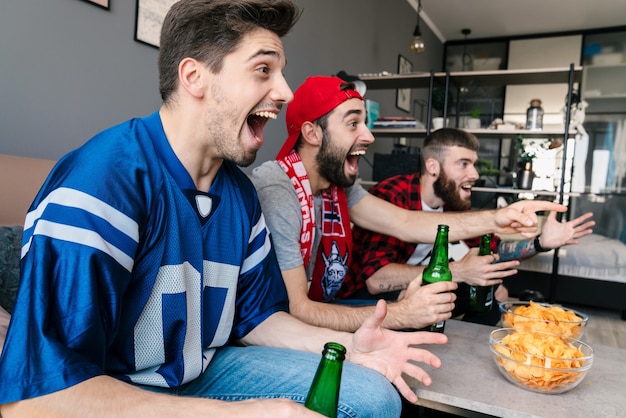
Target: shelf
478,132
465,78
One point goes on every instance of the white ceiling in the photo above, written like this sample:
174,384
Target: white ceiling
507,18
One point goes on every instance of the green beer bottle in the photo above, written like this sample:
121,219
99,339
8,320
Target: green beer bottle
481,297
438,270
323,396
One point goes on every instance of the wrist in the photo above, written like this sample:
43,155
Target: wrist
537,245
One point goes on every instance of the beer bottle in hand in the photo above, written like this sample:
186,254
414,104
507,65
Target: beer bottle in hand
323,396
481,297
438,270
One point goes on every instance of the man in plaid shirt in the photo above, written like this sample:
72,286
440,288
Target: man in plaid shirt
383,265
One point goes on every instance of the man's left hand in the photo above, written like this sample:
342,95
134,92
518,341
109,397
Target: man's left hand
389,352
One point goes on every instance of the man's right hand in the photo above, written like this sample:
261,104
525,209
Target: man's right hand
521,217
426,305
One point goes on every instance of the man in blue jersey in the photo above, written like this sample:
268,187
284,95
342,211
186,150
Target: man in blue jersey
149,286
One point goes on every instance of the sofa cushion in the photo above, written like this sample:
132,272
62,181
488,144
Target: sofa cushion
10,248
595,257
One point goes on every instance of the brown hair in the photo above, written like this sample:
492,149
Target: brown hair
436,143
208,30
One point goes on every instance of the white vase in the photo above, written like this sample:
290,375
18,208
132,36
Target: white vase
472,123
438,123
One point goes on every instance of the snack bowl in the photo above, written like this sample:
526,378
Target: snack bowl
540,361
543,317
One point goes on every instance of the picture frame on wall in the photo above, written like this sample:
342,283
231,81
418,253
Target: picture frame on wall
403,96
100,3
149,19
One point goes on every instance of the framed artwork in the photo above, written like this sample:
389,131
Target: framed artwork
403,96
101,3
149,19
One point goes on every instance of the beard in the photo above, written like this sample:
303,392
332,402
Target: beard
447,190
330,161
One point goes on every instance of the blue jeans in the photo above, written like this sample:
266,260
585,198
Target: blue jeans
239,373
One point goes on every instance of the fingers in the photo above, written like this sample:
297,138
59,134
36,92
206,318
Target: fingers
405,390
441,287
376,319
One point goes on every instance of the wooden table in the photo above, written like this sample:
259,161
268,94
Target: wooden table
469,383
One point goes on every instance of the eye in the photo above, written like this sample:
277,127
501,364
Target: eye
264,69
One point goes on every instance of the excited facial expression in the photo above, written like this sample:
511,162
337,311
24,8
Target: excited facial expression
456,178
345,138
248,91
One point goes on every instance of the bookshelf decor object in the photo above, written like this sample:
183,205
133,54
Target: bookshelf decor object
403,96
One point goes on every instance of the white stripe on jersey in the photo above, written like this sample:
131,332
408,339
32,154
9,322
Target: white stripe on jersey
64,196
80,236
76,199
260,253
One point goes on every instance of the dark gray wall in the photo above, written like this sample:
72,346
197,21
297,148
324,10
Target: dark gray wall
69,69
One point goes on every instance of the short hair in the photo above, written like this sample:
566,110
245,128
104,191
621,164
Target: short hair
436,143
208,30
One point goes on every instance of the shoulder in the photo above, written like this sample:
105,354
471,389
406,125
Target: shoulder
270,179
396,186
267,174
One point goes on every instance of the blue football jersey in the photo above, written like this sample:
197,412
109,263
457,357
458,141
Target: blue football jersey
128,270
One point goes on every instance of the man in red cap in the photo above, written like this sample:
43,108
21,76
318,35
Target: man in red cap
309,199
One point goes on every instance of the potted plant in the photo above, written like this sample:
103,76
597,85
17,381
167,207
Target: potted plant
474,120
438,104
527,151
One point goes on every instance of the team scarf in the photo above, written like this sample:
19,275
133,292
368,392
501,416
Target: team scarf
333,258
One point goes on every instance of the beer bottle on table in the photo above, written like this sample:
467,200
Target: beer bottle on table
438,270
481,297
323,396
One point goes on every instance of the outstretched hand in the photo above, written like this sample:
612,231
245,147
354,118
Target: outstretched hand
521,217
556,234
389,352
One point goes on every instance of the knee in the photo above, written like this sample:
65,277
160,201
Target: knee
366,393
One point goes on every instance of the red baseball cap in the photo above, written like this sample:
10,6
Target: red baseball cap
316,97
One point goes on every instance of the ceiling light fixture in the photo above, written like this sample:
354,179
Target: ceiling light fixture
466,59
417,44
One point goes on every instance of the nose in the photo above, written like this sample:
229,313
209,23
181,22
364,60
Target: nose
281,92
367,135
473,174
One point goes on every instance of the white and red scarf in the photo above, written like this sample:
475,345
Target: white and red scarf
333,259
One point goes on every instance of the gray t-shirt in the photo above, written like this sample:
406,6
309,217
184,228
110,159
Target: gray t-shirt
283,216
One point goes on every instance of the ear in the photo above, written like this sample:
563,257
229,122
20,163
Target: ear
311,133
432,167
190,76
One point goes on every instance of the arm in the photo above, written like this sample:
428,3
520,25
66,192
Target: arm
415,226
425,306
372,346
393,277
554,234
93,398
471,269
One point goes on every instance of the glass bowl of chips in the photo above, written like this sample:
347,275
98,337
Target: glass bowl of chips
540,361
543,317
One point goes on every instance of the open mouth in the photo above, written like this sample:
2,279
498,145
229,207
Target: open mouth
467,187
256,121
353,159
